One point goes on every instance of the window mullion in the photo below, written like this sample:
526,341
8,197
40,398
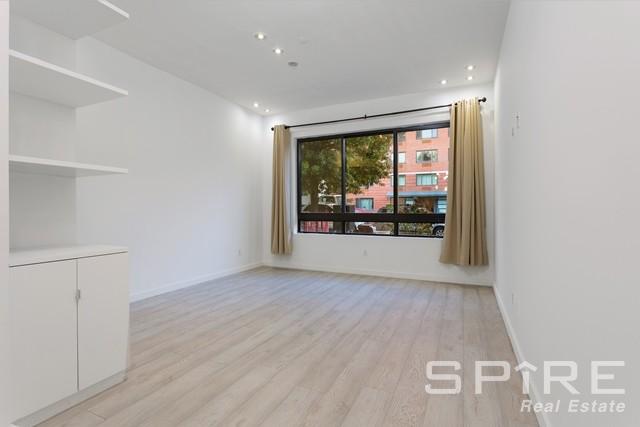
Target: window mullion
343,206
395,180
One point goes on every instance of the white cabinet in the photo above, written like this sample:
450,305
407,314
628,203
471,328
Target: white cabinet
70,330
103,317
43,334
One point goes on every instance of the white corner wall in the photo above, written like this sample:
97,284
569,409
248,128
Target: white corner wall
405,257
42,208
189,208
4,209
567,206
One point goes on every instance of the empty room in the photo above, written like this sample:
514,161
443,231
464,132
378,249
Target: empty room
357,213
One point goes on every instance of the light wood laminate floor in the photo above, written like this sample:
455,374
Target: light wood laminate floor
280,348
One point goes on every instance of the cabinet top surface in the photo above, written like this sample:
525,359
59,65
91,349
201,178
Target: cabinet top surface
20,257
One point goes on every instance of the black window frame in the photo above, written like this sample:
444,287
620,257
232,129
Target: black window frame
344,217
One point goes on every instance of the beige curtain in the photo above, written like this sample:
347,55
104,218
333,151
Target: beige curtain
465,241
280,231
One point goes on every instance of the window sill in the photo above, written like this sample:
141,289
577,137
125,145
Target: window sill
383,236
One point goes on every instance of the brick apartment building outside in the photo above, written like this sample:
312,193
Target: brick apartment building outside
423,164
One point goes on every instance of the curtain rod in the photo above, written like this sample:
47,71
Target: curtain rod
483,99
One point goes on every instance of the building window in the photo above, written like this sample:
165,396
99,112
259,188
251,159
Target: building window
365,203
402,181
346,185
426,179
427,134
426,156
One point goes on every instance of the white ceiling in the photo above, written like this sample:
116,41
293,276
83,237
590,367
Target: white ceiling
348,50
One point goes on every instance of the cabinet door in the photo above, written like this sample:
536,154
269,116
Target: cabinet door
43,359
103,317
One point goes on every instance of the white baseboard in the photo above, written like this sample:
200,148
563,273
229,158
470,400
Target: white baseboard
543,418
379,273
138,296
70,401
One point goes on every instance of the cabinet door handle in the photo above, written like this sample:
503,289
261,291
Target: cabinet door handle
78,295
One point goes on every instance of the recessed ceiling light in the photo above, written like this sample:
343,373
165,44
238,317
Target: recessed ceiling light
469,78
292,64
266,110
278,51
443,82
260,36
256,104
470,67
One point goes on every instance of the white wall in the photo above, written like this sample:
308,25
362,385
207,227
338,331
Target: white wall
396,256
567,206
189,209
4,210
42,208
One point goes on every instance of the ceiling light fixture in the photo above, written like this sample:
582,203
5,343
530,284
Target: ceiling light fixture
278,51
256,104
266,110
443,82
260,35
292,64
470,67
469,78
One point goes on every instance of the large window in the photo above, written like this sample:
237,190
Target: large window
346,182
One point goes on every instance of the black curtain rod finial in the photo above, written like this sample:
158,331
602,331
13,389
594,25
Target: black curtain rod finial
395,113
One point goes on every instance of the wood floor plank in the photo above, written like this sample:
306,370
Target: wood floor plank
209,308
386,373
448,410
481,409
408,402
334,405
368,409
292,410
189,392
221,402
193,384
276,347
77,418
293,371
264,307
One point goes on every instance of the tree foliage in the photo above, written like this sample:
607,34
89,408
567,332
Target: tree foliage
368,162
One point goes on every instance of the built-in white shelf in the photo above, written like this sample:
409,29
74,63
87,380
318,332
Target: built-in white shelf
36,165
40,79
19,257
72,18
